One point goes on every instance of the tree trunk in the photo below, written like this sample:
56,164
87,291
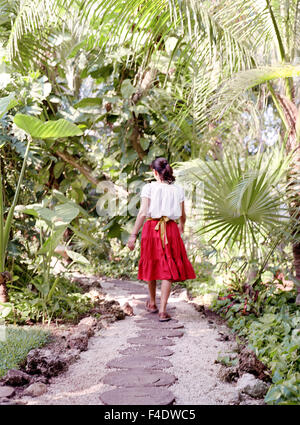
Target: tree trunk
145,81
296,253
83,169
291,112
4,278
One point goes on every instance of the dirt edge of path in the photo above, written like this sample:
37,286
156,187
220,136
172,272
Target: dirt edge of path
67,340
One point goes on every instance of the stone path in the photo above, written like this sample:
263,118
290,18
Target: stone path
142,361
141,378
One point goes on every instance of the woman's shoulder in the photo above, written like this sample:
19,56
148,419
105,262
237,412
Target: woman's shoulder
146,190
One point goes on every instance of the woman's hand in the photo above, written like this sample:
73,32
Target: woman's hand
181,228
131,242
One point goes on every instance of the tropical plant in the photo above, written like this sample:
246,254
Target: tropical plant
189,49
270,322
244,201
35,129
32,303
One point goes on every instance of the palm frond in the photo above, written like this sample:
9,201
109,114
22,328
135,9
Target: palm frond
243,201
231,91
31,17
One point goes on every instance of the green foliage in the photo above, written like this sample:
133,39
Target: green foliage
16,345
6,103
35,128
134,80
62,301
46,130
240,202
227,360
269,321
122,262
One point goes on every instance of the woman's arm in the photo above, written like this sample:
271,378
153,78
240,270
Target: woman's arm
182,219
138,222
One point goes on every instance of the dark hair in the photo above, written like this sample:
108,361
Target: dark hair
164,169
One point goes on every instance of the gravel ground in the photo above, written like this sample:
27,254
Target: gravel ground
193,360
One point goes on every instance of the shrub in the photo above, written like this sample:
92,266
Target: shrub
270,322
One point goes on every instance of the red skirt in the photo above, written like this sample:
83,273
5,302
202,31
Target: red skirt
158,263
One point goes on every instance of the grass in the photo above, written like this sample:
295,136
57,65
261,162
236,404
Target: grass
15,344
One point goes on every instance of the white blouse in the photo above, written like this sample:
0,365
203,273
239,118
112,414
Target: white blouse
165,199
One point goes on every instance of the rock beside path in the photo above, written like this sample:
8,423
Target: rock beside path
128,310
36,389
16,378
249,363
252,386
228,374
78,340
45,362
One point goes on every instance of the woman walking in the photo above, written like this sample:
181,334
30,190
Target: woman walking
163,254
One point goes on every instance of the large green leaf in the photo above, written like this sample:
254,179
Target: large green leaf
65,213
46,130
84,236
127,89
5,309
62,198
77,258
52,242
6,103
88,102
229,91
61,215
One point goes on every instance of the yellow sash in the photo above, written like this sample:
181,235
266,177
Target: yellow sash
162,225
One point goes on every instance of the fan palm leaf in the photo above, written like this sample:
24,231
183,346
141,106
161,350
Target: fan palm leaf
243,199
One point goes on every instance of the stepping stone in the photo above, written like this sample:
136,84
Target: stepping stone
154,342
140,378
139,362
138,396
152,316
137,291
160,325
126,285
162,333
147,351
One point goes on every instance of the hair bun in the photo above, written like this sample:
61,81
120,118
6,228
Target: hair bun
162,166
